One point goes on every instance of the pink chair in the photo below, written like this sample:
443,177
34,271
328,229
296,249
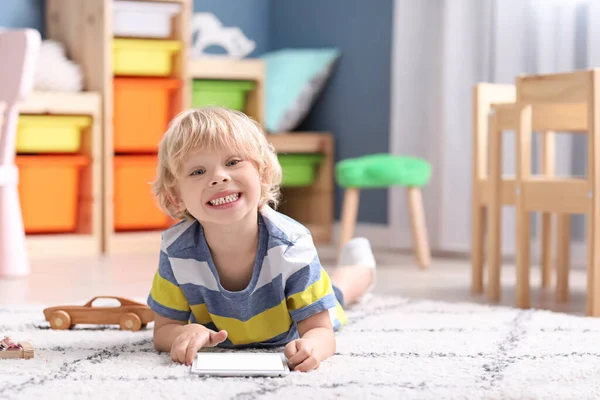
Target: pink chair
18,54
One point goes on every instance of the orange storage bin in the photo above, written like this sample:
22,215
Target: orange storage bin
143,108
134,203
49,192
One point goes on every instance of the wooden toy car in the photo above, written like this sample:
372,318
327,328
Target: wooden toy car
130,315
9,349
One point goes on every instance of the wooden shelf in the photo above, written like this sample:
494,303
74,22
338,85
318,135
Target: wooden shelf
246,69
225,68
88,242
312,205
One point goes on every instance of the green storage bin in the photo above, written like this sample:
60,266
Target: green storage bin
222,93
299,169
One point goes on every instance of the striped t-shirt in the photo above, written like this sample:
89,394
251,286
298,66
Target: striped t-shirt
288,284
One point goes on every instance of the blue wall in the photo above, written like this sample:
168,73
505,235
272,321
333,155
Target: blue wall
23,14
356,102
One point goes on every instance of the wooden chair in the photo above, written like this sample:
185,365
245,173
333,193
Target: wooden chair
491,190
18,54
484,94
559,195
545,119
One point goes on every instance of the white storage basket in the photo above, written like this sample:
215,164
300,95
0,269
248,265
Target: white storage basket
143,19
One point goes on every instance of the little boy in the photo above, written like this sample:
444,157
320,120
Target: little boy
234,272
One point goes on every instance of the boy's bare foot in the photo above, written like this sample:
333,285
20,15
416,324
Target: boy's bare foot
355,274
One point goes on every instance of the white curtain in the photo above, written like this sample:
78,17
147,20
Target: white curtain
441,49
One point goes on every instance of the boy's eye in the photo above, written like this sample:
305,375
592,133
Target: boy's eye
197,172
232,163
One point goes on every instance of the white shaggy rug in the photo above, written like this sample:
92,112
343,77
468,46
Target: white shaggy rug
392,348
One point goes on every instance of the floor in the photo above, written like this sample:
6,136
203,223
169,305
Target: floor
71,281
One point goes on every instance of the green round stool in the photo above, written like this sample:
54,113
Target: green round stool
384,171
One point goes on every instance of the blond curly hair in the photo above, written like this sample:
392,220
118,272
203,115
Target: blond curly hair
213,127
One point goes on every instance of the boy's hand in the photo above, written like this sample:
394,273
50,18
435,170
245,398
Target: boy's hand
301,355
192,339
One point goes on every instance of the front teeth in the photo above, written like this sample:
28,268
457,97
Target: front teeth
225,200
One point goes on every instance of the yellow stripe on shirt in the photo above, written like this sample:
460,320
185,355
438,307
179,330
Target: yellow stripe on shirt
168,295
201,313
260,328
311,294
340,314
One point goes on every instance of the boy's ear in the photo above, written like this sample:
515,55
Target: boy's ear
177,203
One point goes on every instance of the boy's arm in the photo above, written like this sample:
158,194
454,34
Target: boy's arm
166,331
316,343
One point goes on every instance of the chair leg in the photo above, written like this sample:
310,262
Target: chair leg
477,247
494,211
349,214
14,260
523,250
419,227
563,243
547,166
547,250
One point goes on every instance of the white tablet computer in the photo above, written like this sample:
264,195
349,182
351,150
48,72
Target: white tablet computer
240,364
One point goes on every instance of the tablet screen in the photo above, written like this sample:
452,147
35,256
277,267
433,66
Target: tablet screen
239,362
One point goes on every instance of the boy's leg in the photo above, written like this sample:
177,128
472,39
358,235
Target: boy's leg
355,273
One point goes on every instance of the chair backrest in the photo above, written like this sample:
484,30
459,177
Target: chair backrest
19,50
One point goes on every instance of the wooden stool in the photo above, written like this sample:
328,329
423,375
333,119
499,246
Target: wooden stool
383,171
491,190
504,191
559,195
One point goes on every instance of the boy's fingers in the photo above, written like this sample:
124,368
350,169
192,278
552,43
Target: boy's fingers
290,349
308,364
216,337
192,348
178,351
302,354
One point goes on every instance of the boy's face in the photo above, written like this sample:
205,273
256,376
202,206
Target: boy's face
219,186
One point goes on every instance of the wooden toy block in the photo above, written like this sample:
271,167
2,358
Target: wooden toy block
130,315
25,350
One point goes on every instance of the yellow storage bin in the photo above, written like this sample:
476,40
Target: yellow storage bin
144,57
50,133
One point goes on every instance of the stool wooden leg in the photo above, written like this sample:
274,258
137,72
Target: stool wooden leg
419,227
547,168
563,242
494,207
349,214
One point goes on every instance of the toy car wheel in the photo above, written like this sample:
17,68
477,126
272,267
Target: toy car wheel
60,320
130,322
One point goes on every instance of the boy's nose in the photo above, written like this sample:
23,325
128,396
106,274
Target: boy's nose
218,180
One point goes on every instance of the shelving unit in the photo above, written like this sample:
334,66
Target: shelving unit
87,239
86,30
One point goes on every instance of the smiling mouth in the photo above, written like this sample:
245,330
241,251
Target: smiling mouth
232,198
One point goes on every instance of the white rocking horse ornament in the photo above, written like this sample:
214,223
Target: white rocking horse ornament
208,31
